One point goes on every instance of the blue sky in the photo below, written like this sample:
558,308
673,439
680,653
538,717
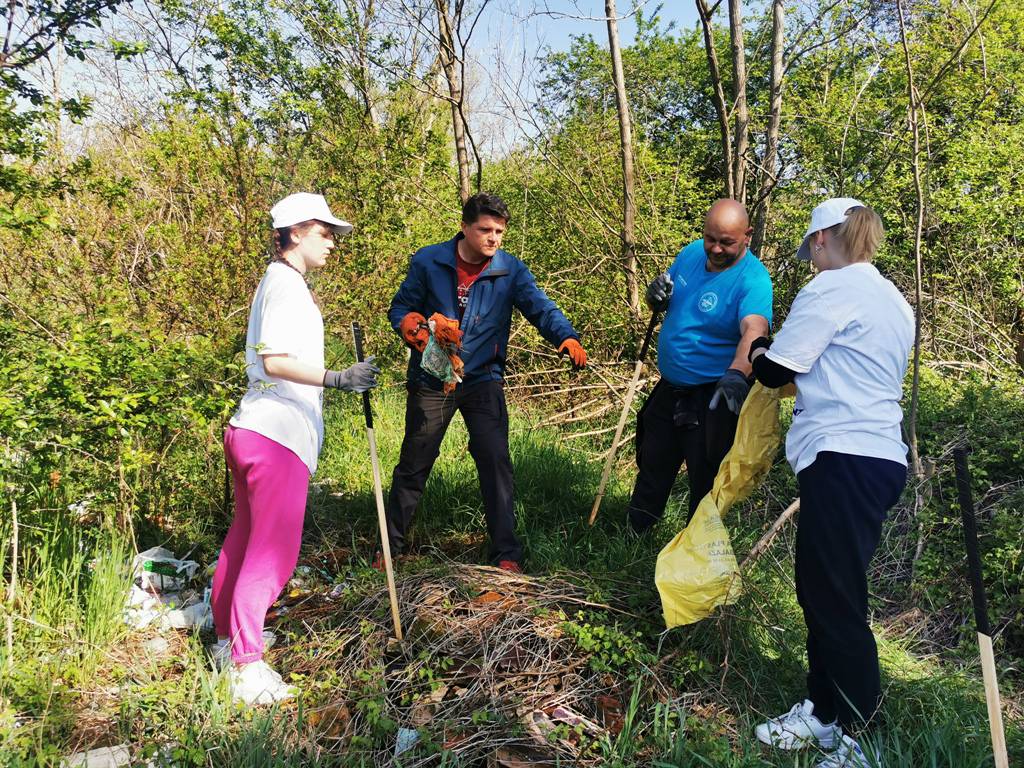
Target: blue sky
558,20
510,37
512,34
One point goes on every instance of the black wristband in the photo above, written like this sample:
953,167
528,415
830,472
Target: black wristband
760,343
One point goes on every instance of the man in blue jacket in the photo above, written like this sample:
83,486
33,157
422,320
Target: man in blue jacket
469,279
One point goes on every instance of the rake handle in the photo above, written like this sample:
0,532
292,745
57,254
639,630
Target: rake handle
357,339
378,491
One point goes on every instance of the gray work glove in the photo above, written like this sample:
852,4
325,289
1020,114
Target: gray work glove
659,292
359,378
732,388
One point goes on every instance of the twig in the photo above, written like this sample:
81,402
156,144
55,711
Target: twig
12,585
765,541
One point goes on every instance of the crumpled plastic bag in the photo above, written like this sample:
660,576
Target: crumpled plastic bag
435,361
167,610
158,569
441,360
697,571
157,595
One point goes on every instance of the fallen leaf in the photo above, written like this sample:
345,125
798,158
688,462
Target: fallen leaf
520,757
490,596
331,720
421,713
610,710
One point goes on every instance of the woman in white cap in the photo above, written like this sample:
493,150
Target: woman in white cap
845,344
272,442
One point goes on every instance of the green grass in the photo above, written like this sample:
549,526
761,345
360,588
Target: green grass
78,678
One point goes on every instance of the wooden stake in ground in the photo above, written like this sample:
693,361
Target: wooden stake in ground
630,394
385,545
988,663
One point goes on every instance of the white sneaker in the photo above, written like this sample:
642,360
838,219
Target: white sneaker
220,652
256,683
798,728
850,754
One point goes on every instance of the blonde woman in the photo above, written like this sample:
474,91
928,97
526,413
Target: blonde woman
273,441
845,343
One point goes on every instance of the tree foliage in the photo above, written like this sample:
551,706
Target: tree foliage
127,261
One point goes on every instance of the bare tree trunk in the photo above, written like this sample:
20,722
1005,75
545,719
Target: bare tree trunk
365,77
914,107
57,64
769,177
739,99
719,93
628,183
448,62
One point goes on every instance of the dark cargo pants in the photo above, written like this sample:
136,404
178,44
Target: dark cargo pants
427,415
676,425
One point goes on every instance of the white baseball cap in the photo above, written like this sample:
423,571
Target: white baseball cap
305,206
833,211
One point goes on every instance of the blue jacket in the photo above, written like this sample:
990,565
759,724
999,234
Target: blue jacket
430,286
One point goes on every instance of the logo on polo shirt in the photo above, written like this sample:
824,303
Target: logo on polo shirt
708,301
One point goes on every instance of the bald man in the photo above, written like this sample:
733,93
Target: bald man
717,298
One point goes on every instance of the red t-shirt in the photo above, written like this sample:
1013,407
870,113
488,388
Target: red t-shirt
467,275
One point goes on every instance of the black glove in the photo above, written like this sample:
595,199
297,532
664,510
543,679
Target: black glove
359,378
659,292
733,388
760,343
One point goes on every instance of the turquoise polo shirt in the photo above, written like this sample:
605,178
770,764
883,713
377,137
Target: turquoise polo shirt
701,328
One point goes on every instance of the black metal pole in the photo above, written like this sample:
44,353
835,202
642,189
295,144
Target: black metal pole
963,487
648,336
610,459
357,338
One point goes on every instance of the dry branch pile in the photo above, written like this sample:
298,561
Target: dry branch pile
487,671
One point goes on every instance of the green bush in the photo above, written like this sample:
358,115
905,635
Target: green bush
114,421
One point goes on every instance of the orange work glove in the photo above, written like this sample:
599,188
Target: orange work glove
446,330
458,369
413,333
576,353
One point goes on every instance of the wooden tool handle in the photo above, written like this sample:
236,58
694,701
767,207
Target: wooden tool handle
630,393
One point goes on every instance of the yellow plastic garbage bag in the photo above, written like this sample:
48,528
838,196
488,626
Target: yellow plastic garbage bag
697,570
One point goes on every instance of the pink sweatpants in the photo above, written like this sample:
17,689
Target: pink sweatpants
262,545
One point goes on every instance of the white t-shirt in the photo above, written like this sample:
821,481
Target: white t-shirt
848,337
284,319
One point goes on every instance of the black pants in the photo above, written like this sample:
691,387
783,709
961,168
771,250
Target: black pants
427,415
843,502
675,425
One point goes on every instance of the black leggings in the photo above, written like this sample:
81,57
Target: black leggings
843,502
